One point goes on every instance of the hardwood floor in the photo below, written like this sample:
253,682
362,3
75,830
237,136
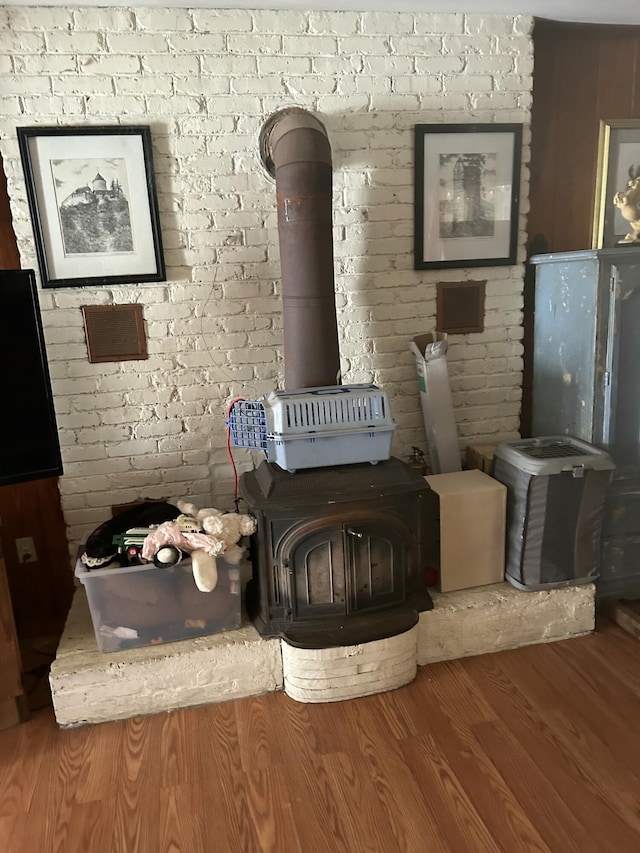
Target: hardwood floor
536,749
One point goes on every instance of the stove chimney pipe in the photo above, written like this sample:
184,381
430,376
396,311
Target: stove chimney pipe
296,150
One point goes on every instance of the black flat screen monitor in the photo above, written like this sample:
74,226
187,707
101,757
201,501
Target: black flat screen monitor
29,446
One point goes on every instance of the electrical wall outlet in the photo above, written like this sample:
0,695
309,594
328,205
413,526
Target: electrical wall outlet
26,549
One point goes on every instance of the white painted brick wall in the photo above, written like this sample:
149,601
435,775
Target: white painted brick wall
205,81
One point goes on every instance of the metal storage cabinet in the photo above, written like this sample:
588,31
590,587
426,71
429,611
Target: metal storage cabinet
586,383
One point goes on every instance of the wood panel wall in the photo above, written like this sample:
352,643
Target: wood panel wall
41,592
9,256
582,73
12,700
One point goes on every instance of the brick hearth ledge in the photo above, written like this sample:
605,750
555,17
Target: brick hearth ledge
89,686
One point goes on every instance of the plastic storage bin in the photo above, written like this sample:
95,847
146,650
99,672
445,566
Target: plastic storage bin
316,427
141,605
556,491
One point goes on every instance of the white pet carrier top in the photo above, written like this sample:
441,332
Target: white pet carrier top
316,427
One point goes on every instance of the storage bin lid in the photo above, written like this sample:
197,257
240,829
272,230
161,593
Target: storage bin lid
84,574
553,454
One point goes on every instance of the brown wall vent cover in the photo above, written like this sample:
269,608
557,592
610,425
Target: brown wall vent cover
460,306
114,332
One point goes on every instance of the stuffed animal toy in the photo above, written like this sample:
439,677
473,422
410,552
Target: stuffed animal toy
186,535
628,203
218,534
198,514
229,528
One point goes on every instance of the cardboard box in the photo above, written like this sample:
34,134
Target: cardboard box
466,541
437,405
480,456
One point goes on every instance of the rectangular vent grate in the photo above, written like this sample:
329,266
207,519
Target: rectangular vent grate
114,332
554,450
460,306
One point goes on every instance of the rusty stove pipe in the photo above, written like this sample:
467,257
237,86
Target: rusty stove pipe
300,152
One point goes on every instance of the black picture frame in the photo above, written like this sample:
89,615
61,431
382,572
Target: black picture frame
91,228
467,191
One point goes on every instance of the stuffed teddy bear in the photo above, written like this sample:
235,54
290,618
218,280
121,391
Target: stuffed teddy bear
224,528
628,203
229,528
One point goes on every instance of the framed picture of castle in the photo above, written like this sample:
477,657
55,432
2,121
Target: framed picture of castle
467,186
93,204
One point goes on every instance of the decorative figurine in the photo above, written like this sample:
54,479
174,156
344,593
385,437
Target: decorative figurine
628,203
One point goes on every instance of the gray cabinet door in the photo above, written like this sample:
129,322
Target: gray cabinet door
587,383
565,341
621,430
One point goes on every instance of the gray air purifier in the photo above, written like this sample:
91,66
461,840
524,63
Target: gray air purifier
556,491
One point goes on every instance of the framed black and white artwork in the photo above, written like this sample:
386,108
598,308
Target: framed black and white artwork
94,209
467,185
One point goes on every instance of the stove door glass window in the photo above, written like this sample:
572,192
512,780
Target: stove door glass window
318,563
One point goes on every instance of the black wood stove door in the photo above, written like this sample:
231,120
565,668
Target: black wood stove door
347,568
378,556
317,569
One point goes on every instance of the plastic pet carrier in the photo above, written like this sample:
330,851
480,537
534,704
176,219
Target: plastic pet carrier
316,427
556,491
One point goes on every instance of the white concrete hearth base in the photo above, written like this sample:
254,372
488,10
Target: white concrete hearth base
89,686
498,617
347,672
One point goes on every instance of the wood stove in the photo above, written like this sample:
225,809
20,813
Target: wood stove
338,554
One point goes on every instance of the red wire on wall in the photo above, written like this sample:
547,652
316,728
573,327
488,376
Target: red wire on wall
230,454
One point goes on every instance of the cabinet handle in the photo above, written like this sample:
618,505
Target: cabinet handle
353,532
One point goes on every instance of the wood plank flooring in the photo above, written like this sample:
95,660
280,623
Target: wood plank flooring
534,750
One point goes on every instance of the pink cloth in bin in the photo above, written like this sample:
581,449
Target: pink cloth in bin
170,534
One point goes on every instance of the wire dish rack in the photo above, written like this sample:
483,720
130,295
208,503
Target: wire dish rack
316,427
